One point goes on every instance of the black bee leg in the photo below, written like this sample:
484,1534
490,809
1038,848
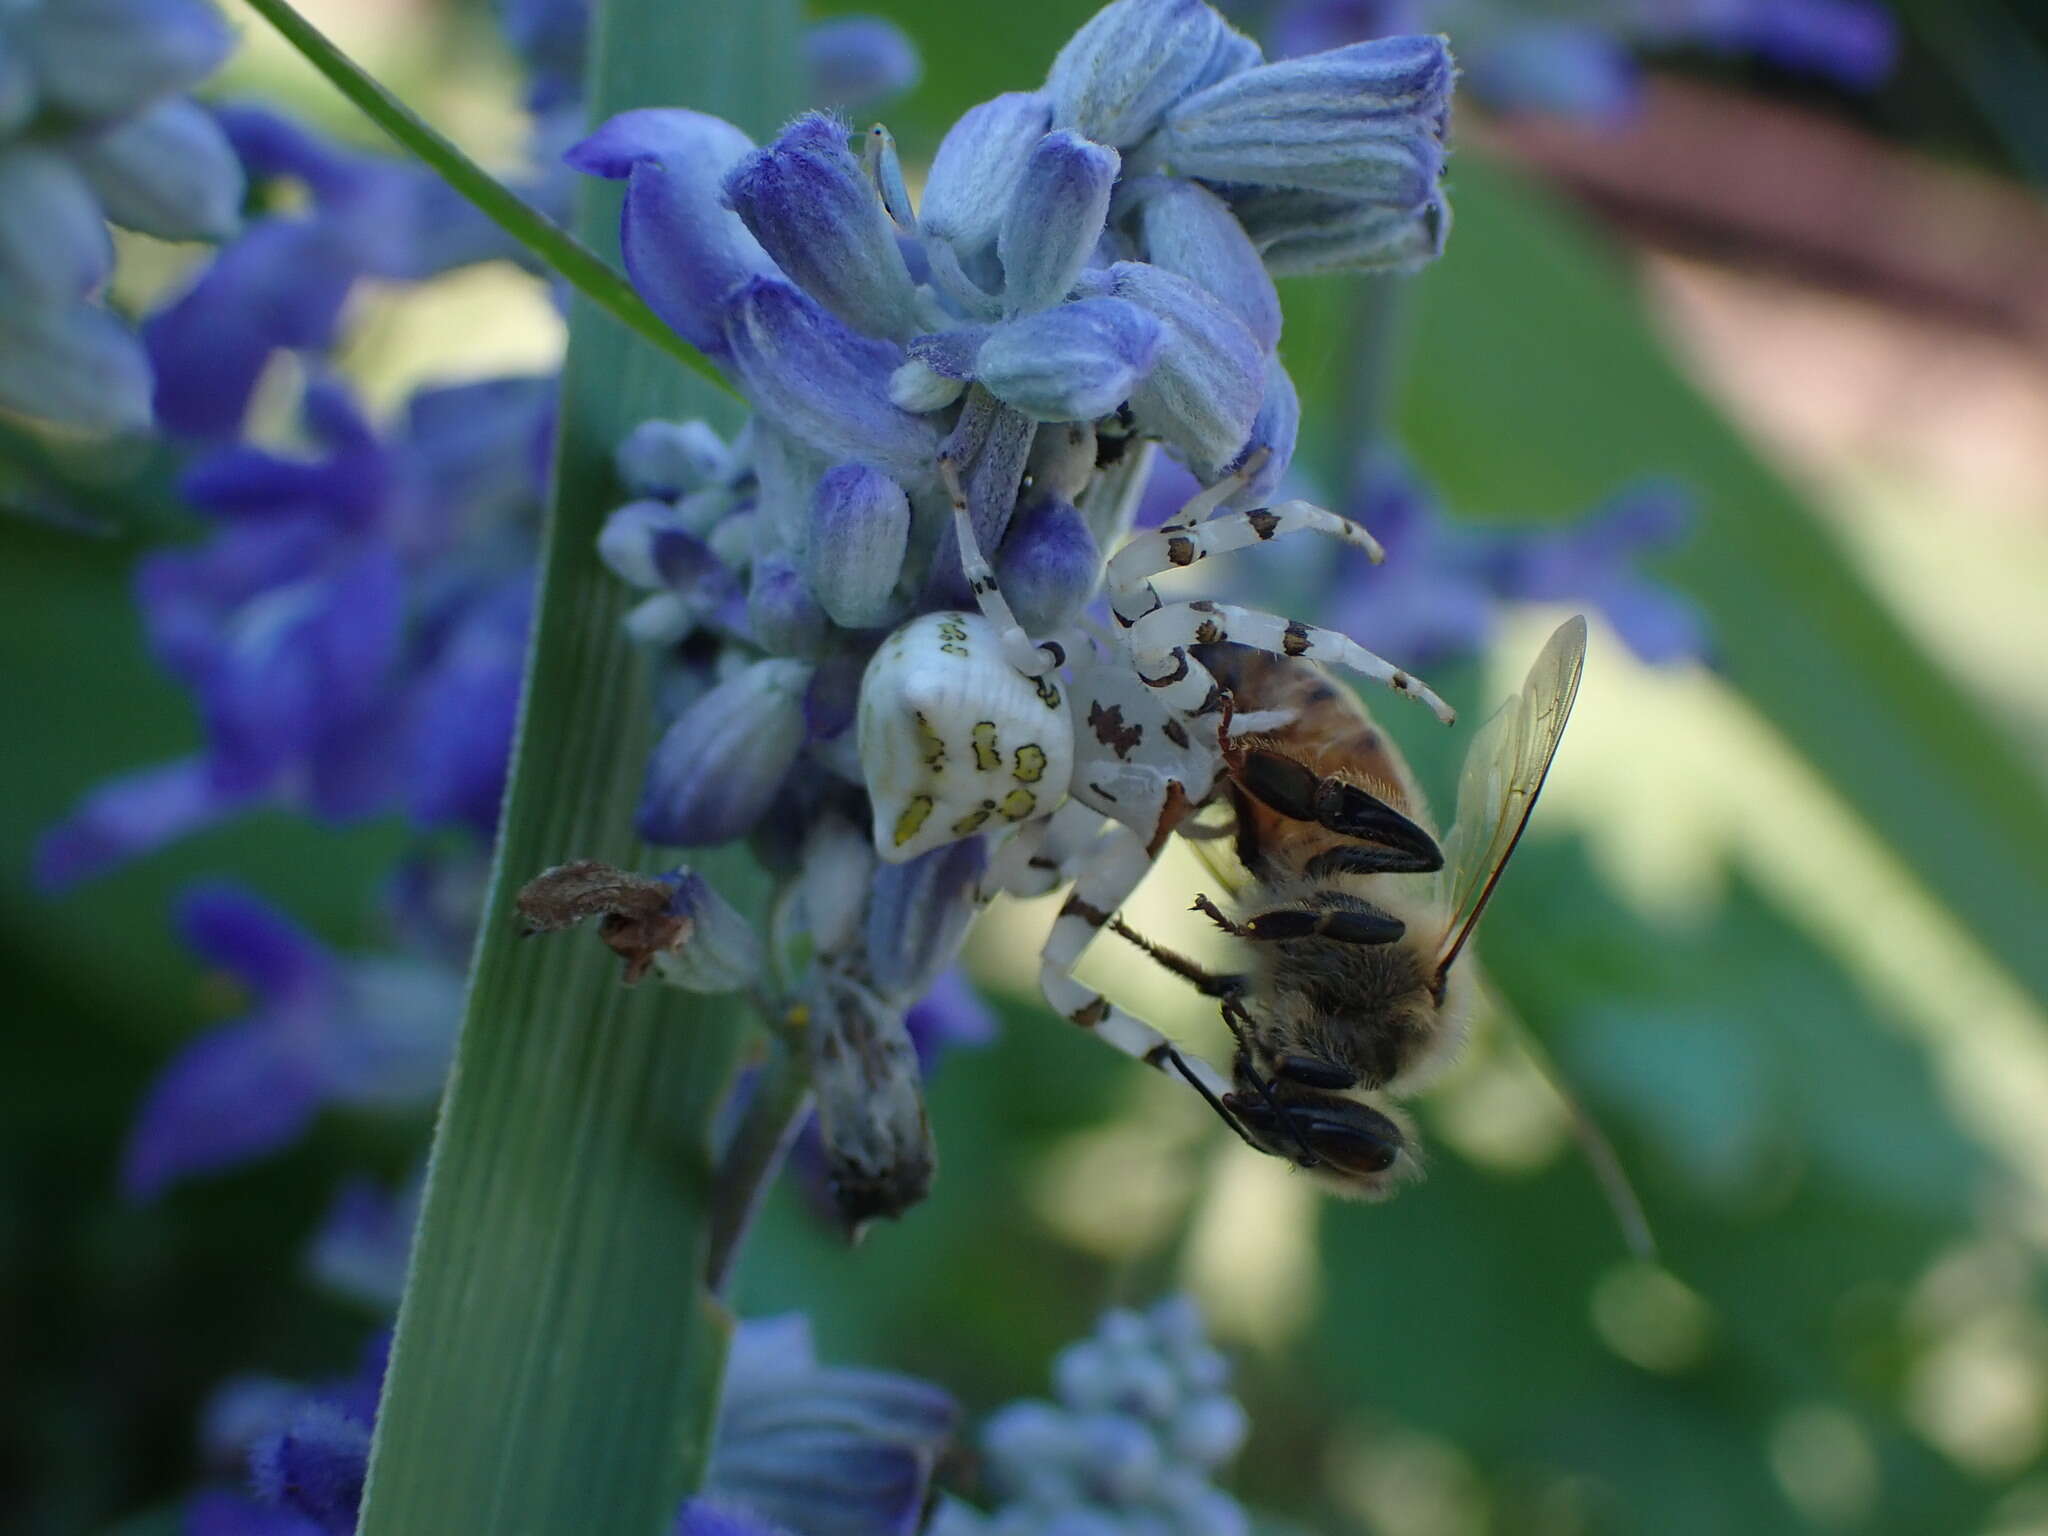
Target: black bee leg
1293,789
1208,983
1225,1111
1314,1072
1352,922
1267,1114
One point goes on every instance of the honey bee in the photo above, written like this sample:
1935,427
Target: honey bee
1352,914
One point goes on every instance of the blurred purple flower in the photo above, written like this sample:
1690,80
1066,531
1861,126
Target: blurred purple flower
283,285
320,1030
1577,61
800,1447
353,630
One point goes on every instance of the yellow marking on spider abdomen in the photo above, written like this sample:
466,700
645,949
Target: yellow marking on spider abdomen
972,821
914,816
1030,764
987,754
1019,803
931,746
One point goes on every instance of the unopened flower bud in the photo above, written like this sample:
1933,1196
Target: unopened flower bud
718,951
1054,219
1130,62
871,1116
782,612
717,769
860,529
672,458
1049,565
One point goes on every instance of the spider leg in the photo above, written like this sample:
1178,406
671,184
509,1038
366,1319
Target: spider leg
1159,643
1110,871
1172,547
1032,660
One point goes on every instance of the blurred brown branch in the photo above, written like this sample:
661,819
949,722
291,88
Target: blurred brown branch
1766,187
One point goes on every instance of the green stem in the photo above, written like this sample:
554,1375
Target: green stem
781,1099
557,249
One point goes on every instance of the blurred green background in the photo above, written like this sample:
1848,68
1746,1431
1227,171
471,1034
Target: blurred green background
1780,924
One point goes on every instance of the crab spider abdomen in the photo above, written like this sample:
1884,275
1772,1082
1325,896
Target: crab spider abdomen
954,740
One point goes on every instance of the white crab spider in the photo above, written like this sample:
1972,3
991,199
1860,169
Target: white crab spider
964,729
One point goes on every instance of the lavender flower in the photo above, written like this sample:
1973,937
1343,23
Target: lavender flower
1140,1428
1045,316
800,1447
353,630
320,1030
93,127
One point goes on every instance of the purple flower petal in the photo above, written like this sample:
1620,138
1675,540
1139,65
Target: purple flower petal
132,815
240,932
857,60
683,249
1073,362
233,1094
229,1514
818,216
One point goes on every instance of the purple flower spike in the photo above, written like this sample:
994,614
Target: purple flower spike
685,251
1073,362
829,386
807,201
713,1517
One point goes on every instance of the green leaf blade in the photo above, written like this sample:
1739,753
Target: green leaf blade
557,1362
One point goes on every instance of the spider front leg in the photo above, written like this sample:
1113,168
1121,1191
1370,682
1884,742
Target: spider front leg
1031,659
1159,642
1111,868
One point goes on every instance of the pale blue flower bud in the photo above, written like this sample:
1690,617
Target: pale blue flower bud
1054,219
168,171
1027,1433
99,59
860,530
1188,229
918,387
1086,1375
1209,1430
1365,121
1073,362
73,364
672,458
719,951
1196,1509
817,214
717,769
1301,233
812,377
858,59
54,245
1123,1460
782,613
1129,63
967,194
1049,565
1204,390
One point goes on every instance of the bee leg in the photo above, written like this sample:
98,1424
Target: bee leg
1354,922
1266,1114
1293,789
1314,1072
1208,983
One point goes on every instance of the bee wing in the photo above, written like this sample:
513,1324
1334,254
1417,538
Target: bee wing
1211,833
1504,772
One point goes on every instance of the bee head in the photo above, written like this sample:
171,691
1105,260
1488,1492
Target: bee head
1353,1148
